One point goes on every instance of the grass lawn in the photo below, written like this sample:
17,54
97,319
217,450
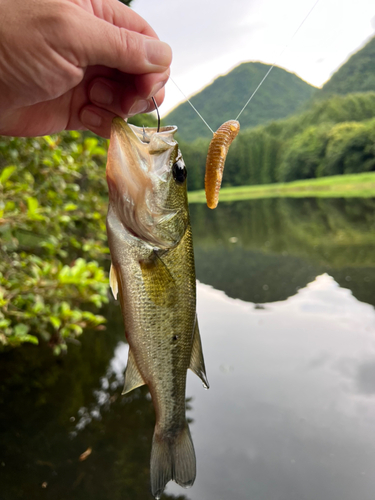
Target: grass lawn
340,186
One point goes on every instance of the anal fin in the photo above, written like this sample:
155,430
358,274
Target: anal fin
133,378
196,361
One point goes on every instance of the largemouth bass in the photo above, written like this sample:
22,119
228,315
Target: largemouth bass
153,273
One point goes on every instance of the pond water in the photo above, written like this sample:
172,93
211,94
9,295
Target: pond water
286,299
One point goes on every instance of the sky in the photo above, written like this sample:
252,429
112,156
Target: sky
211,37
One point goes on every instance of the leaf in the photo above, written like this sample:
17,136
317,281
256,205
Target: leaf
76,329
6,173
55,322
49,141
90,144
70,206
16,340
65,309
99,151
64,218
21,329
64,273
32,205
31,339
9,206
38,306
74,134
57,350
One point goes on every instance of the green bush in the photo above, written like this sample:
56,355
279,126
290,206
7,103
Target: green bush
304,154
52,233
350,149
53,242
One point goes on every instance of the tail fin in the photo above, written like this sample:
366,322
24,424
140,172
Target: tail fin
172,457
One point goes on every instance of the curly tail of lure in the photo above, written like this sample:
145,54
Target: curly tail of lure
217,153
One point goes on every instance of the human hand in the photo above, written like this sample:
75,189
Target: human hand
75,64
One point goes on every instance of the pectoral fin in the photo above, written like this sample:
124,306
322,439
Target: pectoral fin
158,281
197,361
133,378
113,281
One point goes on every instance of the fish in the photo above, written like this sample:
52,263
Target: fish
153,274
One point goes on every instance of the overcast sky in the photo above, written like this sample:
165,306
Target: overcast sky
210,37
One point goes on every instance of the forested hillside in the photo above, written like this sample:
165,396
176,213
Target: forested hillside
356,75
336,136
281,95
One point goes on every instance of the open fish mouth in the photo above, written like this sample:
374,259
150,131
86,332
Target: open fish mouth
138,162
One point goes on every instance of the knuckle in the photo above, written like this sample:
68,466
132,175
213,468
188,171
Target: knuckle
131,45
55,16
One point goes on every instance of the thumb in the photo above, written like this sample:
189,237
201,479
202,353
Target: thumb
101,43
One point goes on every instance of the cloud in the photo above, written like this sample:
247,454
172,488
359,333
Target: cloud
366,377
211,37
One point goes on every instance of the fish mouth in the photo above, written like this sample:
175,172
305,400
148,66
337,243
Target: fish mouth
137,150
138,158
143,134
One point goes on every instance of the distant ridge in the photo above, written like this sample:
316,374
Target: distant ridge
281,95
356,75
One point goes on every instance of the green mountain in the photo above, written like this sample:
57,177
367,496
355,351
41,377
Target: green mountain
281,95
356,75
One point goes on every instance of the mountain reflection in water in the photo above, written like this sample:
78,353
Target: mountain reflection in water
265,250
291,409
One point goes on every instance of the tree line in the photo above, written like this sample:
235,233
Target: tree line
333,137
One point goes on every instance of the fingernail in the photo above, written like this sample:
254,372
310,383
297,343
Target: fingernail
139,107
101,93
156,88
158,53
91,119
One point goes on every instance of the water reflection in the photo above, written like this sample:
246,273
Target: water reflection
291,408
283,418
265,250
51,413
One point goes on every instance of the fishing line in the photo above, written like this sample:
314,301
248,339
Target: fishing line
265,76
277,58
191,104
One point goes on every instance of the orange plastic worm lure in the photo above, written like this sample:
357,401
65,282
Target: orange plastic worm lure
217,153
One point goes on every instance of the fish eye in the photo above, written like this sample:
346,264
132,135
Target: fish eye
179,171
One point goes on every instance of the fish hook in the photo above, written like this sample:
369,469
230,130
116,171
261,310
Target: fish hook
157,111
